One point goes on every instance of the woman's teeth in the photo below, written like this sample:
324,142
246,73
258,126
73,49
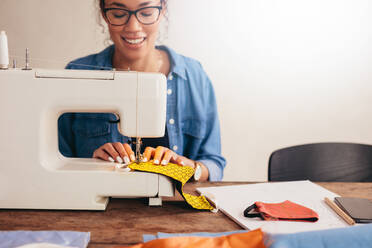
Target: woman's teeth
134,41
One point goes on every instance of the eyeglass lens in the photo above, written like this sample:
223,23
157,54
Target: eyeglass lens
145,16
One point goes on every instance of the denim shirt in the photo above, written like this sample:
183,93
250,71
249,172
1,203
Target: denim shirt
192,119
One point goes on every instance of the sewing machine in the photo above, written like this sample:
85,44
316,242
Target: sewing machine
35,175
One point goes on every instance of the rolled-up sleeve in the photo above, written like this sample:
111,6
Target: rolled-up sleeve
210,149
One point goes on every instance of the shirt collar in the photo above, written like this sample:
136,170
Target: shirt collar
177,62
104,58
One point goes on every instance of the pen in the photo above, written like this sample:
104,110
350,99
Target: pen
339,211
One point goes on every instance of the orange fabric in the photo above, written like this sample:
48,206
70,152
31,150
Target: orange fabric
252,239
286,210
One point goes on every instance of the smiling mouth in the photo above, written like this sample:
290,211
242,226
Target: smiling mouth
134,41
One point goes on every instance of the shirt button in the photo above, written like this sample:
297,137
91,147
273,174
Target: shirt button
171,121
169,91
175,148
170,77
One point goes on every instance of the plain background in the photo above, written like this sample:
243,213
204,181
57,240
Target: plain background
285,72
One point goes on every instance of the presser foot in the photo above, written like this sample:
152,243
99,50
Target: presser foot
138,144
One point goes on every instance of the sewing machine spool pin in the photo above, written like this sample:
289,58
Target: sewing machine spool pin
4,53
27,62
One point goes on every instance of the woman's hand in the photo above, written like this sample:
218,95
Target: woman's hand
115,152
123,153
162,156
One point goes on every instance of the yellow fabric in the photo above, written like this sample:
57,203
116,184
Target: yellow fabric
179,173
252,239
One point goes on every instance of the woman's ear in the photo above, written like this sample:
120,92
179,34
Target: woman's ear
164,9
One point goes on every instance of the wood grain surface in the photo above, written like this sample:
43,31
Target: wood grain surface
126,220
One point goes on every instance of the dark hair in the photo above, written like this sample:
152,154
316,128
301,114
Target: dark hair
102,3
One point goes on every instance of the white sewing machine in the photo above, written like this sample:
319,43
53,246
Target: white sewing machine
34,174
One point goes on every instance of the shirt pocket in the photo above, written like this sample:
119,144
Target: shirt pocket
91,127
194,127
90,133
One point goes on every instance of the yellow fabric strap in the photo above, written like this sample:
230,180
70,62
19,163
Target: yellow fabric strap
179,173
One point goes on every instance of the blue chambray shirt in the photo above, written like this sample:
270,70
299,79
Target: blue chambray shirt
192,119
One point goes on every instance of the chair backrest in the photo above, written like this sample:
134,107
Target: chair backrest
321,162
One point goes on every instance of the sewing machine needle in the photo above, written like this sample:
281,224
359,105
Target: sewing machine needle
138,149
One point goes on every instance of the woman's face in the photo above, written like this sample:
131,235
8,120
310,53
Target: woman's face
132,40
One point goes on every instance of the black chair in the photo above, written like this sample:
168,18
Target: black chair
322,162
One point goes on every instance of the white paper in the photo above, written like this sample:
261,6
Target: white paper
233,200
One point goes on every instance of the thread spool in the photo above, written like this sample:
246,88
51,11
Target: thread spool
4,52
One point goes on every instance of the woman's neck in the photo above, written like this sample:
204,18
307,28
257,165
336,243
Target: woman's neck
153,62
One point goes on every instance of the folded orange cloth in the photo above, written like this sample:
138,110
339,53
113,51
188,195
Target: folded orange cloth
286,210
252,239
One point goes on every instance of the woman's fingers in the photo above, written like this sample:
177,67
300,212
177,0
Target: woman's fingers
123,155
167,156
115,152
178,160
101,153
159,152
160,155
183,161
130,152
111,151
148,153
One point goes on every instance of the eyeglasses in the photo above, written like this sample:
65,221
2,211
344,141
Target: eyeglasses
119,17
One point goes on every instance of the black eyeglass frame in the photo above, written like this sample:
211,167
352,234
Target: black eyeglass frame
133,13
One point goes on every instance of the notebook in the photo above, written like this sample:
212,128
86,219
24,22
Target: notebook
357,208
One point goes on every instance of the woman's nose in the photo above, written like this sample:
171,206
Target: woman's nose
133,24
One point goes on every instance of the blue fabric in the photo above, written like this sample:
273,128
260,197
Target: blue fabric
350,237
191,104
10,239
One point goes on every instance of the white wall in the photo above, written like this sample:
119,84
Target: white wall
55,31
285,72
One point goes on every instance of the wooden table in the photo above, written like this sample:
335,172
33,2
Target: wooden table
126,220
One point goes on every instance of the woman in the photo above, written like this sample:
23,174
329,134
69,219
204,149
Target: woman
192,136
